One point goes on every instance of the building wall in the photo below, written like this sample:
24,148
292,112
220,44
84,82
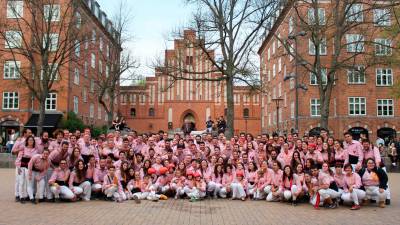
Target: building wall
339,120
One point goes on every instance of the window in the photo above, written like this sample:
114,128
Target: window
52,74
384,77
322,47
91,110
85,69
312,19
76,76
76,104
133,112
93,61
246,113
93,36
354,13
384,107
100,67
77,48
13,39
86,43
151,112
315,107
12,69
279,64
15,9
273,48
273,70
78,19
99,109
355,43
323,77
51,101
383,47
50,42
292,110
107,71
356,75
92,85
10,100
108,51
52,12
101,44
357,106
291,25
189,60
382,17
84,94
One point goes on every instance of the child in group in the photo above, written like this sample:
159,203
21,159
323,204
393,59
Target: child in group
215,185
259,186
153,196
199,189
177,184
239,186
162,183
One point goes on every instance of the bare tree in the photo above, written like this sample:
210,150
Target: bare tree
120,66
44,38
229,32
345,26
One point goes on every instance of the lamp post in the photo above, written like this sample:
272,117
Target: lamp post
277,102
296,77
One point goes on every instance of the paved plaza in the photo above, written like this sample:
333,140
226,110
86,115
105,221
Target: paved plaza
177,212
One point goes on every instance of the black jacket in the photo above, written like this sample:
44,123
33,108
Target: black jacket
383,178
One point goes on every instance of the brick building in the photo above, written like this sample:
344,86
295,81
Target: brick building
361,98
161,104
76,80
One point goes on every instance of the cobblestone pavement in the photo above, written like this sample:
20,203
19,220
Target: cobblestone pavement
179,212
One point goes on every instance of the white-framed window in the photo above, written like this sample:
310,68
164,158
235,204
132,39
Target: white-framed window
85,69
100,66
384,107
291,51
279,64
315,107
292,109
76,76
291,25
91,110
280,89
52,12
99,109
108,51
357,106
84,94
12,69
382,17
92,85
269,54
93,61
93,36
356,75
78,19
86,43
291,83
77,48
273,70
324,77
354,13
384,77
53,72
383,47
273,48
50,42
51,102
279,40
355,43
13,39
269,76
274,92
101,43
15,9
10,100
322,47
321,16
107,71
76,104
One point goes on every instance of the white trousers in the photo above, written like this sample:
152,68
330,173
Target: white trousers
21,182
354,196
237,191
328,193
47,191
372,192
62,192
290,194
214,188
194,193
96,187
84,190
114,193
32,183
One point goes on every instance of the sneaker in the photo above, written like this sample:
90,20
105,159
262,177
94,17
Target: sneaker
387,202
355,207
382,204
33,201
332,206
17,199
136,199
163,197
393,164
57,200
294,203
192,199
243,199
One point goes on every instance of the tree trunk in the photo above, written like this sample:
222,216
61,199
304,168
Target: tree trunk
110,112
230,114
42,113
325,102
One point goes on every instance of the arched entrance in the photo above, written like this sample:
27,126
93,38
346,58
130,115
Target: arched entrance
188,117
356,132
386,133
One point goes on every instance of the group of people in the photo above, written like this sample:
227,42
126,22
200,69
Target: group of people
216,127
320,170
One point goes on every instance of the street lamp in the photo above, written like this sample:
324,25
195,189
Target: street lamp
295,76
277,102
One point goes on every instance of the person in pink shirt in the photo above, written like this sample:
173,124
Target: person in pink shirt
291,186
56,144
314,154
227,180
77,182
112,187
162,183
324,183
199,189
239,186
87,149
98,178
370,151
251,174
25,154
285,157
353,151
339,151
37,169
177,184
59,182
339,177
274,193
351,190
215,184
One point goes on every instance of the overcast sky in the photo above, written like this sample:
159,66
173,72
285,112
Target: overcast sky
152,21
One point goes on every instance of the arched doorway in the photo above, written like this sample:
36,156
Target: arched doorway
386,133
356,132
188,121
189,117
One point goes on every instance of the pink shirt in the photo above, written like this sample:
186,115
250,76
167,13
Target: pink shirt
340,155
316,156
227,179
54,145
370,178
354,180
339,179
285,158
373,153
99,175
354,148
277,178
38,163
59,175
56,156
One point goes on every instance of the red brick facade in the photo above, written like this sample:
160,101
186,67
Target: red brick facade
194,100
275,65
99,42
